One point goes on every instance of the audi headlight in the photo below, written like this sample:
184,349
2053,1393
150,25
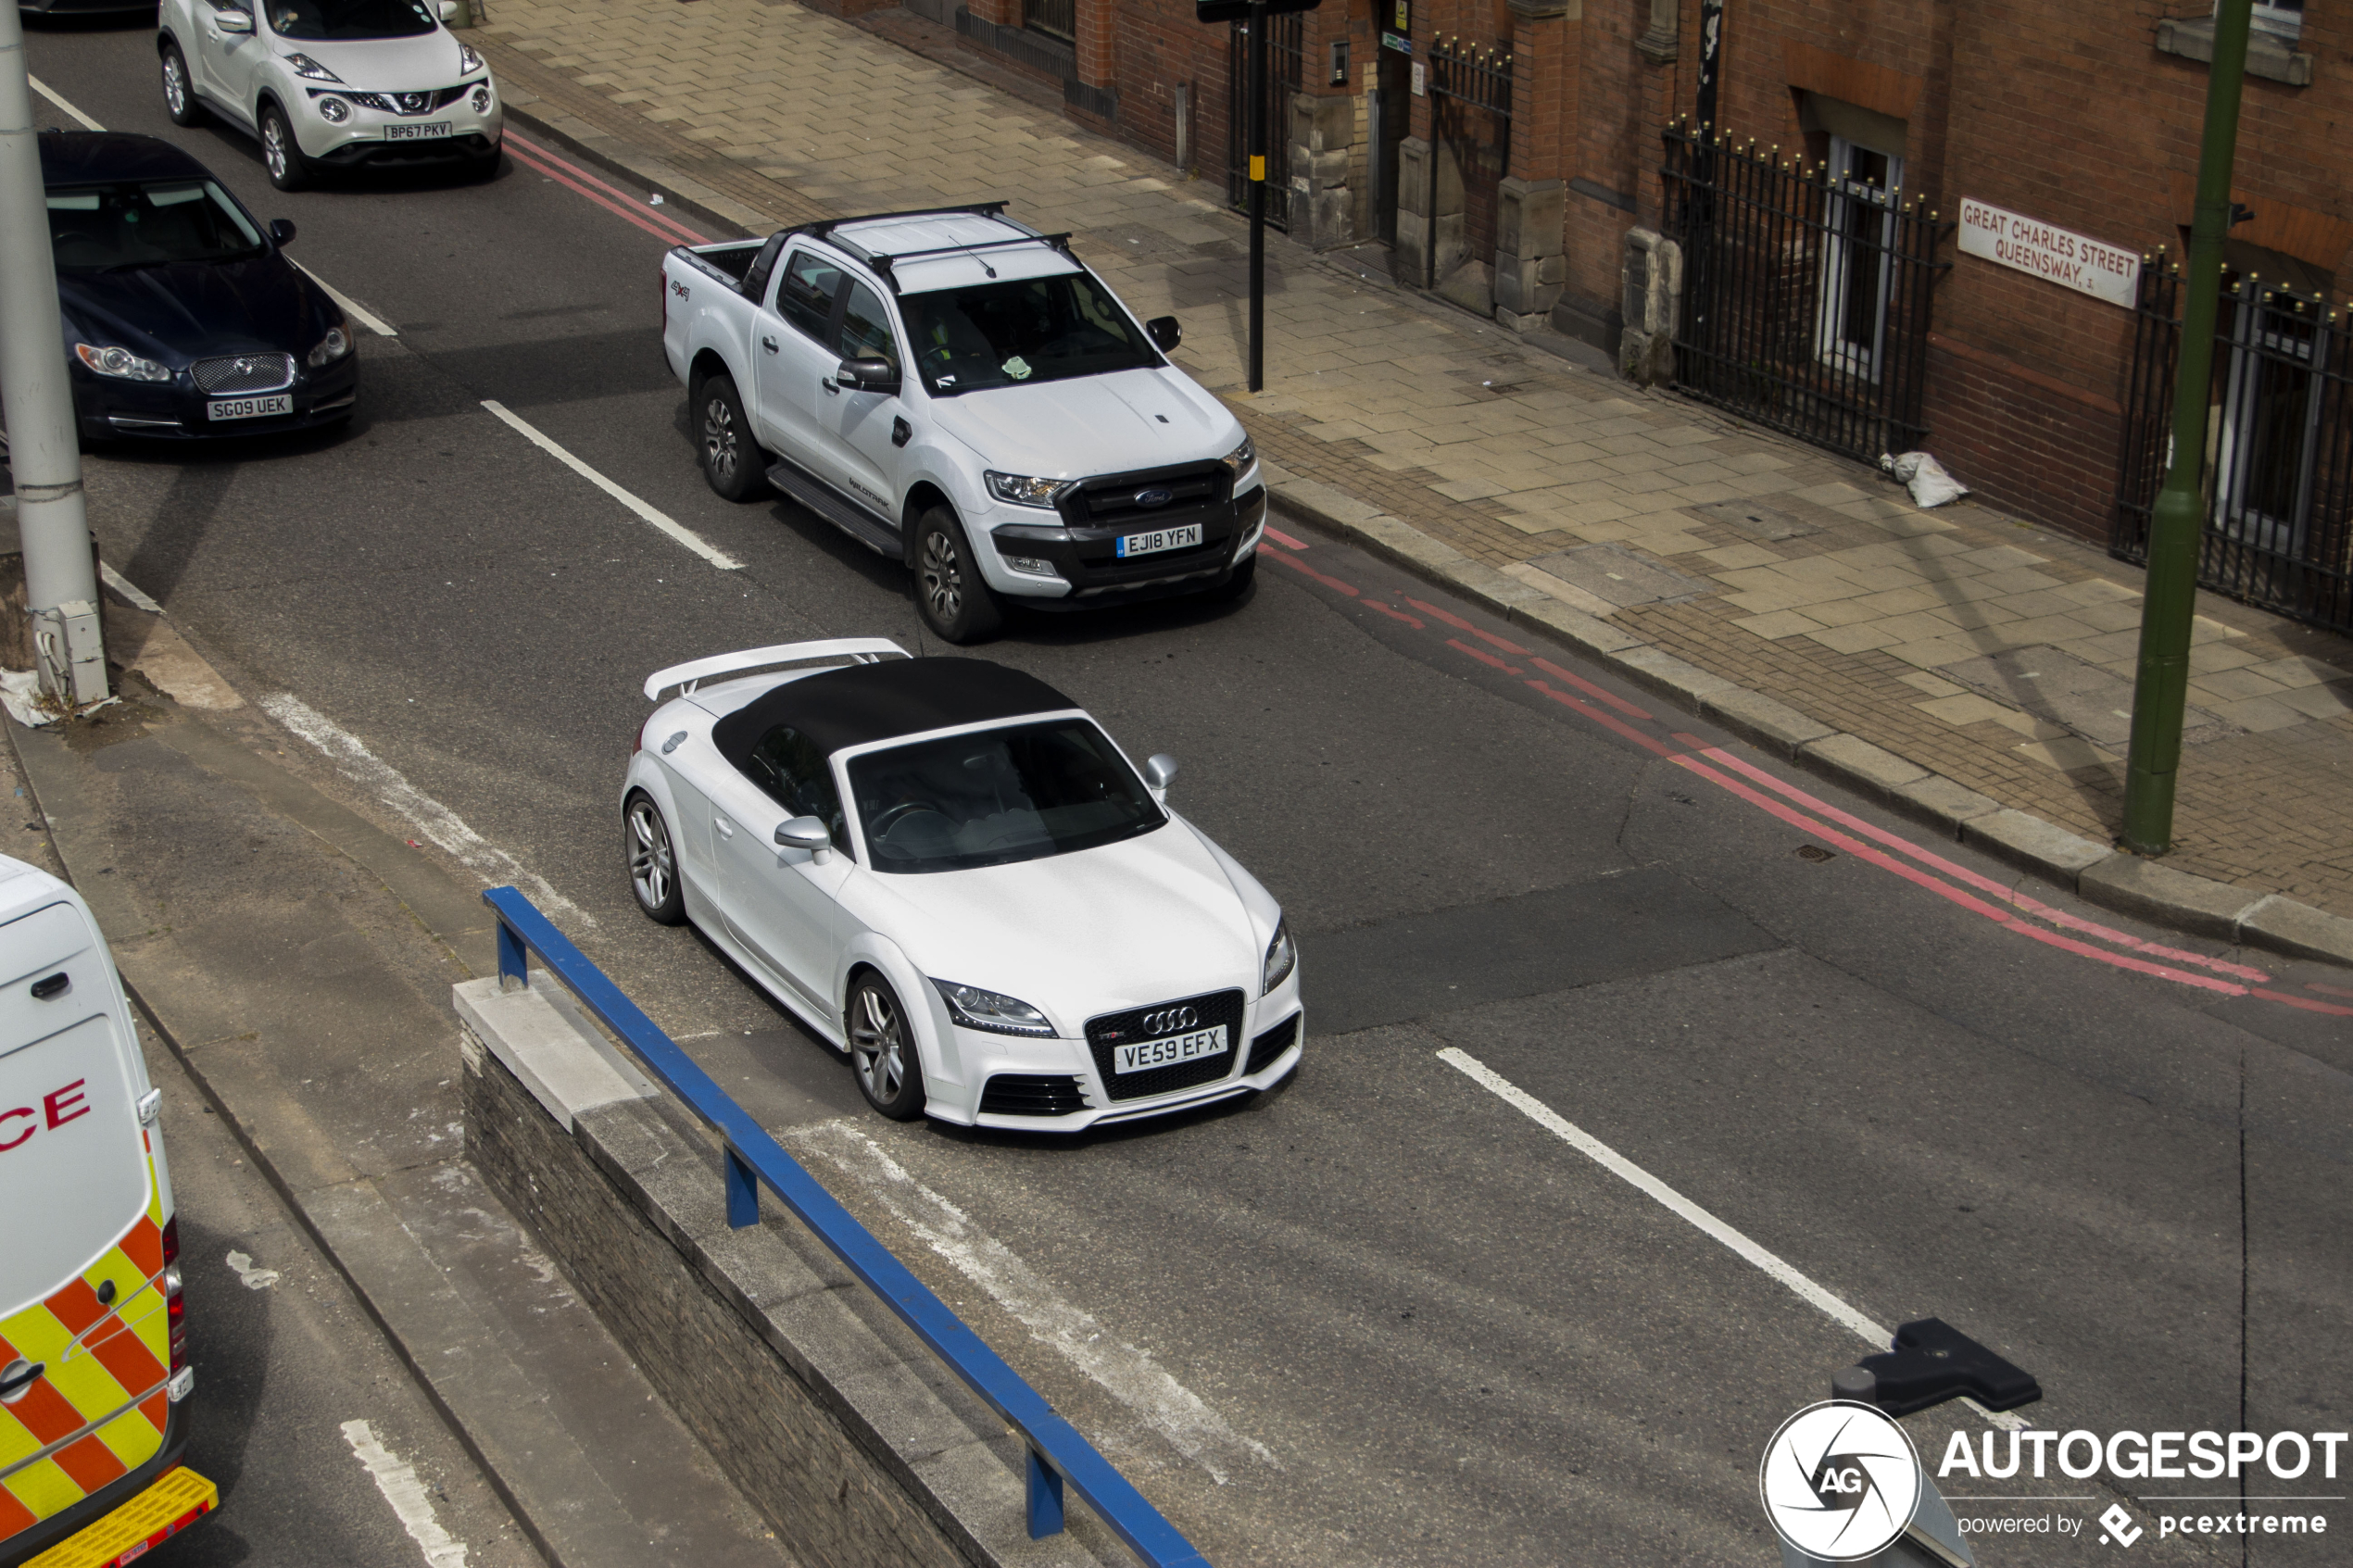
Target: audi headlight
310,70
976,1008
120,363
333,347
1022,491
334,110
1239,460
1282,956
468,61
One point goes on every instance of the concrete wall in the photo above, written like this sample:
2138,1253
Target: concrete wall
861,1449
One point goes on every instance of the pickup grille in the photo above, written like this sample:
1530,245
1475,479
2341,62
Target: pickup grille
1111,501
1106,1034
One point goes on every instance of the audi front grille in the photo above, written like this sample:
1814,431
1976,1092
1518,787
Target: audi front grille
234,374
1107,1033
1032,1094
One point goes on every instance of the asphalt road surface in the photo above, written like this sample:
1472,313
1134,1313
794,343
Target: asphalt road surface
1389,1313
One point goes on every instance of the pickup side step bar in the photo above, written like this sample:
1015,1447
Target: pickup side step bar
809,491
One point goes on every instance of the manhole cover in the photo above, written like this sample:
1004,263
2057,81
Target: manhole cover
1815,853
2061,689
1755,522
1621,576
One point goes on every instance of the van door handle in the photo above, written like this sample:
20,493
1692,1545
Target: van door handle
55,986
17,1382
726,829
769,344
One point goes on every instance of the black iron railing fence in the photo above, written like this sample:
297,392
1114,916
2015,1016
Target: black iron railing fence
1806,293
2276,476
1286,65
1470,94
1055,19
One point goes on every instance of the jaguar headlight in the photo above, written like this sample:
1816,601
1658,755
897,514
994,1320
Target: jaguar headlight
1239,460
120,363
1000,1014
310,70
1023,492
333,347
468,60
1282,956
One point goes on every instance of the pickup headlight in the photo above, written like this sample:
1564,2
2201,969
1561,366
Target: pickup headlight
1239,460
119,363
1282,956
1023,492
976,1008
468,62
310,70
333,347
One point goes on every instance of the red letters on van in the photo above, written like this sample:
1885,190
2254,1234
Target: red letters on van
58,1108
7,1116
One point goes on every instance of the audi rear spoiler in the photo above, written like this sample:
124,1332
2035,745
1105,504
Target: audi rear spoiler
841,650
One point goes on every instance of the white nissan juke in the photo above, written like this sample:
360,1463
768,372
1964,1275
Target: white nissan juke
331,83
952,874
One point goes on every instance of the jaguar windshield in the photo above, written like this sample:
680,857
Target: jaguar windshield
1032,329
146,225
987,799
348,20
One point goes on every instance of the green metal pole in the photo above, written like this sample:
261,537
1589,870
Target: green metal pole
2162,691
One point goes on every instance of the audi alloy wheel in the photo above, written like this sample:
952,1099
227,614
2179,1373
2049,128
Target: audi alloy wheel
882,1051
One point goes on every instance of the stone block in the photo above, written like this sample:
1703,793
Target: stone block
1859,764
2034,844
1530,217
1941,803
2154,891
2283,925
1675,679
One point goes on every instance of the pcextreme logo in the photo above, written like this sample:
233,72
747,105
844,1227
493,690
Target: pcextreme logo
1840,1481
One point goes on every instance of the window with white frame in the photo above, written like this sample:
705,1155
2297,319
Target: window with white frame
1851,324
2282,19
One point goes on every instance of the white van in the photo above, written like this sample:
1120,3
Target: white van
92,1343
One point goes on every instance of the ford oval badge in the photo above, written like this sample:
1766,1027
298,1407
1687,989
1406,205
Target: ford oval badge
1154,497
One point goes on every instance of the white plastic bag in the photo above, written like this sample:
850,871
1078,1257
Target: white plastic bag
1925,478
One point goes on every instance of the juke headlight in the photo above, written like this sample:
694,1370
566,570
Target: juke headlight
1239,460
333,347
468,61
1000,1014
310,70
1026,492
120,363
482,99
1282,956
334,110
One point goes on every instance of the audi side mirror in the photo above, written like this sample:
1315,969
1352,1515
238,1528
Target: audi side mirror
1165,331
873,373
804,832
1160,771
281,232
233,21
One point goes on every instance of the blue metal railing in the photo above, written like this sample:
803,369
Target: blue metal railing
1057,1452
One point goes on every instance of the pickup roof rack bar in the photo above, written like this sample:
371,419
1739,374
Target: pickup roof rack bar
825,227
823,231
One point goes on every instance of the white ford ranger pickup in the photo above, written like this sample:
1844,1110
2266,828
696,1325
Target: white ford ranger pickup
957,391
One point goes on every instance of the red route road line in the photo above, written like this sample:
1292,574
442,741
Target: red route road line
1285,540
1983,884
1416,623
1582,684
687,235
2327,990
2306,1002
1484,657
629,214
1606,722
1459,624
1332,582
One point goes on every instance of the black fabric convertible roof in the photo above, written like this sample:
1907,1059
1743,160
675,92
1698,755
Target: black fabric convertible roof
837,709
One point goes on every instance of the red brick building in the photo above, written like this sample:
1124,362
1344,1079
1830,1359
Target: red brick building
1501,149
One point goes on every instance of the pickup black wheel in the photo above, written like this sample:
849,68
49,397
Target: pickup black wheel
731,459
1236,588
882,1050
653,863
179,92
953,600
281,153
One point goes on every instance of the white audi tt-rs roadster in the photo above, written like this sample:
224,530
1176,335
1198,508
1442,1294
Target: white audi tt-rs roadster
952,874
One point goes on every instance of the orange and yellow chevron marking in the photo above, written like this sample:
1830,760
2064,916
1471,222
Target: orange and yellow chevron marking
98,1410
178,1500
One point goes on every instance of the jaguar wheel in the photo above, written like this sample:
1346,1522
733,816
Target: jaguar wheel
882,1050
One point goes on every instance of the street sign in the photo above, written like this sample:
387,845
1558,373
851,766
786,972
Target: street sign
1239,10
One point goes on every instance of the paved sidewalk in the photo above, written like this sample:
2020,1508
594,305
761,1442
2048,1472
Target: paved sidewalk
1987,653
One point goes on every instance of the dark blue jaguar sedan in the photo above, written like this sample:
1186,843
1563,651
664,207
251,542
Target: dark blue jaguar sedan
182,318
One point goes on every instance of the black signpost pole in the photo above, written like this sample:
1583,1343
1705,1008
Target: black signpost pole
1257,195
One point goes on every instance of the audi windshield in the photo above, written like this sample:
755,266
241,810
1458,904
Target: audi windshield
987,799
